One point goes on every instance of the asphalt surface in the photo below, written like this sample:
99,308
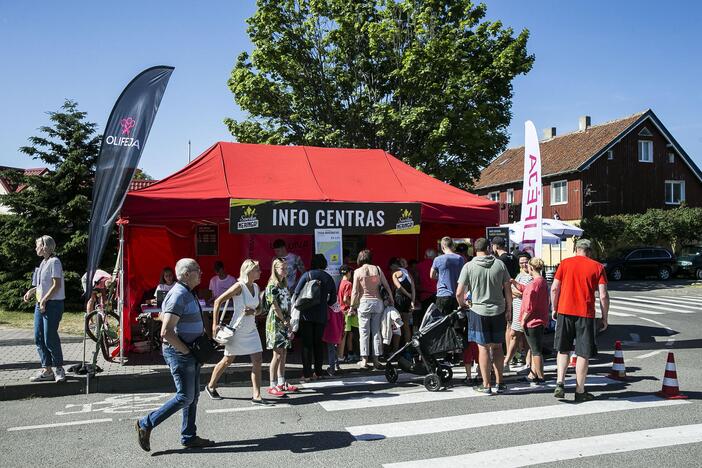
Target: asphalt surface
328,424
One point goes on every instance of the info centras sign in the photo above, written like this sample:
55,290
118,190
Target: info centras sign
303,217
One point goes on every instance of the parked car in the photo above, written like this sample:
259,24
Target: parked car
690,261
641,262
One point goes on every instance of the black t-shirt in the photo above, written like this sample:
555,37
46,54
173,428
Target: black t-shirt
511,262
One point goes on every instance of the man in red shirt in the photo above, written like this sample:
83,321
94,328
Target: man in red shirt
573,297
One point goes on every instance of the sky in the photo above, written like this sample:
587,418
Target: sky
606,59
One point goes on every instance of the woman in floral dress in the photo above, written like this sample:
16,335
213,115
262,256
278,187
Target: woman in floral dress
278,331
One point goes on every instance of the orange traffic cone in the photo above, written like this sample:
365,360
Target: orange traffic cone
670,388
618,371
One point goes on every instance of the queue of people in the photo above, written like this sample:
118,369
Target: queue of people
506,297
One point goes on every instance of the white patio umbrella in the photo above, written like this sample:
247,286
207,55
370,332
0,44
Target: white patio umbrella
516,229
560,228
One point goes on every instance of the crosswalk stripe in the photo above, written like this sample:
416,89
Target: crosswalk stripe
614,305
665,303
566,449
394,397
493,418
419,394
696,299
619,314
684,300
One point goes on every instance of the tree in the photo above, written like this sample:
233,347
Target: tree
139,174
57,204
429,81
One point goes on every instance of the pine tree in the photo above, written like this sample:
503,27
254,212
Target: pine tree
57,204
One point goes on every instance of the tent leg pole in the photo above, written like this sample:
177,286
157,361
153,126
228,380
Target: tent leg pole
121,294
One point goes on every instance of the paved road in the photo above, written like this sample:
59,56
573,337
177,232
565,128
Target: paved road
363,421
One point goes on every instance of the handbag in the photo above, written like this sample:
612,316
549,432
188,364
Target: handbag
225,333
384,293
203,347
294,319
310,295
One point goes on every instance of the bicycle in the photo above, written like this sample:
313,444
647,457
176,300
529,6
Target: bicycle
102,324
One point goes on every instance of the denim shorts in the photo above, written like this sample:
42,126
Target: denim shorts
486,329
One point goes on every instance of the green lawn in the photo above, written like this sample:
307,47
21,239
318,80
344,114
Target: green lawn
71,323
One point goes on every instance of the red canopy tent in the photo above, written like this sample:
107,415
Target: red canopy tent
161,218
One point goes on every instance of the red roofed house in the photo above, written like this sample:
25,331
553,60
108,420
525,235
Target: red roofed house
6,186
623,166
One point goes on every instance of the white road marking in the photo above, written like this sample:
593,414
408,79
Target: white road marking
567,449
493,418
390,398
686,298
657,303
616,306
618,314
69,423
648,355
248,408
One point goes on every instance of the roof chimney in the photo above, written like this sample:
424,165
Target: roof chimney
584,122
549,133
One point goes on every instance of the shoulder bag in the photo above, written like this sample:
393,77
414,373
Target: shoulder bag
310,295
203,347
225,333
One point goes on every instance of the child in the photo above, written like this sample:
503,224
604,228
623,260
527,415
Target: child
350,317
333,332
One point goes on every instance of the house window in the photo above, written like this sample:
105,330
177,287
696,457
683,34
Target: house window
494,196
671,158
610,155
559,192
645,151
510,195
674,192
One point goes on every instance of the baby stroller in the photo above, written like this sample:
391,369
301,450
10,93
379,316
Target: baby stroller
436,337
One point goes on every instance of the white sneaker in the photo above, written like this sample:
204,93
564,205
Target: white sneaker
59,375
42,376
506,368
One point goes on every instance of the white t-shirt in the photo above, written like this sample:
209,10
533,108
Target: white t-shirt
219,286
42,278
294,265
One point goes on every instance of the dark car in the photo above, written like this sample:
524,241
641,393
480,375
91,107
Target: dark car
690,261
641,262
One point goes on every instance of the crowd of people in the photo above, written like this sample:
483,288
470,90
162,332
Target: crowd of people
507,301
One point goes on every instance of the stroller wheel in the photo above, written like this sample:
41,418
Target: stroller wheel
391,373
432,382
445,373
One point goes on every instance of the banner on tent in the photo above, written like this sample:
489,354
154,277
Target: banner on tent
303,217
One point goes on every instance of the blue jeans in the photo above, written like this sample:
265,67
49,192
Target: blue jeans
186,376
46,335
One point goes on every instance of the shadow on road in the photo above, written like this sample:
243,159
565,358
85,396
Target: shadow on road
298,442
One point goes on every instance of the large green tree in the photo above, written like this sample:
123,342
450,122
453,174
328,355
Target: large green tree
56,203
429,81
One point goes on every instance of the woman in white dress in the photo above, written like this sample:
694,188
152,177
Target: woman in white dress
244,294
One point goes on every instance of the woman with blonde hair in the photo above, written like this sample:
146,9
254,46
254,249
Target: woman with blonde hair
244,294
278,329
49,293
535,316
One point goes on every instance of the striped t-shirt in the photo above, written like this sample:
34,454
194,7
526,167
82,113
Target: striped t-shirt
180,301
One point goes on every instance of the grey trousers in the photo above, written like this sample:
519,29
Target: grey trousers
370,319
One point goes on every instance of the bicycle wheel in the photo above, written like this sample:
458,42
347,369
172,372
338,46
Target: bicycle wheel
110,327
